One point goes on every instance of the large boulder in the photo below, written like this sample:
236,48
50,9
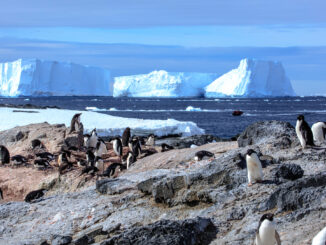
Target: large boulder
281,134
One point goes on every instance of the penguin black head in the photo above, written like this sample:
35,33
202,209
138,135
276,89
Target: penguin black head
300,117
250,151
268,216
94,132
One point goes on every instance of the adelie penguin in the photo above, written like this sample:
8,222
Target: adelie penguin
320,238
37,144
304,132
45,155
90,158
254,167
34,195
75,123
125,137
150,140
18,159
92,141
4,155
117,147
166,147
200,155
130,159
134,146
100,148
266,233
41,163
110,171
319,131
99,163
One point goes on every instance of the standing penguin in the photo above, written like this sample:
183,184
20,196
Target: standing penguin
100,148
134,146
255,170
266,233
92,141
319,131
304,132
90,157
150,140
1,194
4,155
99,164
75,123
320,238
130,159
125,137
117,147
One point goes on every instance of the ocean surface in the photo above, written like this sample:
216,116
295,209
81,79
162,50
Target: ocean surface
213,115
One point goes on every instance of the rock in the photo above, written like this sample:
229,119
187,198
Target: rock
61,240
199,231
237,214
114,186
303,193
289,171
267,132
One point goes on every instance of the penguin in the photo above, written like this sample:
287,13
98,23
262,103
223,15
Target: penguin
100,148
86,140
125,137
72,148
39,163
63,158
130,158
81,163
266,233
319,131
148,152
150,140
45,155
166,147
304,132
200,155
117,147
110,171
99,163
4,155
320,238
1,194
90,157
75,123
255,170
89,170
134,146
92,141
19,159
34,195
36,144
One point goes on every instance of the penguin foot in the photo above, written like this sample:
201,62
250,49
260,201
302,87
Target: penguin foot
249,184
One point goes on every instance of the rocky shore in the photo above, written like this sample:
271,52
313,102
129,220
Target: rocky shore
167,198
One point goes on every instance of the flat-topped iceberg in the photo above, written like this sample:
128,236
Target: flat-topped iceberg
163,84
105,125
253,78
34,77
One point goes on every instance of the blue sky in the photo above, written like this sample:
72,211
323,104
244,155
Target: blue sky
129,36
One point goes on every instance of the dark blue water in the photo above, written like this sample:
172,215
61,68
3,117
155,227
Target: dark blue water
215,115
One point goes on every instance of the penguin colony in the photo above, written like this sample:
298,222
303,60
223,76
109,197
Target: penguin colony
95,148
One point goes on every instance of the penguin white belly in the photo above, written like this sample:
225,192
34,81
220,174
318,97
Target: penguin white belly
266,234
115,147
299,134
101,150
150,141
255,171
318,133
320,238
92,141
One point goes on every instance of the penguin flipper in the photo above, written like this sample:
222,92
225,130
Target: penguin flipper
277,237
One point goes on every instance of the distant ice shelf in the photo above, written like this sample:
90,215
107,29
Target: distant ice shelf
105,125
34,77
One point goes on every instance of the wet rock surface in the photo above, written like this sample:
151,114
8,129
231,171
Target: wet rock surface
168,198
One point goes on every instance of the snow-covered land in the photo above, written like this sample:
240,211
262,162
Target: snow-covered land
33,77
163,84
253,78
105,125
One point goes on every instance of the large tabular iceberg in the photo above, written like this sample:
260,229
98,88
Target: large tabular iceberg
163,84
253,78
33,77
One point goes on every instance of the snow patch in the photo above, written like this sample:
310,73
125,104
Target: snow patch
190,108
105,125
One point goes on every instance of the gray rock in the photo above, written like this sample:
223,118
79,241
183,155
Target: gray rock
267,132
61,240
289,171
199,231
114,186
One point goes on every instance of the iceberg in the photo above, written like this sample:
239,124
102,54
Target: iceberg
253,78
106,125
34,77
163,84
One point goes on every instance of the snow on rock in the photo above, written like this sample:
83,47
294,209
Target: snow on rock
163,84
253,78
105,125
33,77
191,108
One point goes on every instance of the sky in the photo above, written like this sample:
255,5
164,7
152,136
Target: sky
130,37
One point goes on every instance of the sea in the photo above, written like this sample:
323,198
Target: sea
213,115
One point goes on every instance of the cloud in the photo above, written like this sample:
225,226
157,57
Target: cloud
146,13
